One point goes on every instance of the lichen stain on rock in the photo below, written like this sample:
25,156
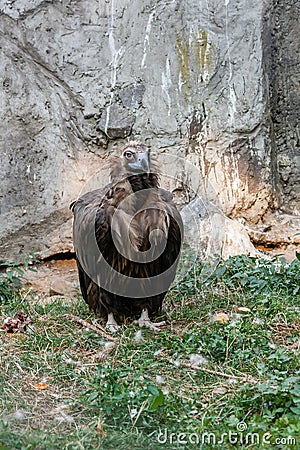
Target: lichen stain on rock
202,50
183,55
195,55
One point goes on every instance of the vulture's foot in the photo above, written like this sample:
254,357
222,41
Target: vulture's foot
144,321
111,324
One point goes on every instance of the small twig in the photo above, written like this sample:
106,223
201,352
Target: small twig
88,325
227,351
246,378
139,413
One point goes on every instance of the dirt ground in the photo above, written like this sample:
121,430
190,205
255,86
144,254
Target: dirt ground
55,277
59,277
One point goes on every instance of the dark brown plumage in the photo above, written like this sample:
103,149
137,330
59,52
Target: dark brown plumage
127,238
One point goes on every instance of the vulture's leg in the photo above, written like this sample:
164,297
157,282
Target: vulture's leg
111,324
144,321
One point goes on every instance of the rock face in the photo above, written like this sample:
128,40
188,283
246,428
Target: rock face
209,232
212,86
285,104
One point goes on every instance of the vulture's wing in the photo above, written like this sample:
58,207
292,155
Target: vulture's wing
175,235
90,227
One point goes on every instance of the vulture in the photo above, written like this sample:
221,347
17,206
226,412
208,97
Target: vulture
127,238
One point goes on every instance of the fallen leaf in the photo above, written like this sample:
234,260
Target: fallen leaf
41,386
241,309
221,317
100,429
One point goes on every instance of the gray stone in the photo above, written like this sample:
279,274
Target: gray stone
209,232
60,286
132,96
116,122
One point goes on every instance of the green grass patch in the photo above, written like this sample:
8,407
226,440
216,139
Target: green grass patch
199,383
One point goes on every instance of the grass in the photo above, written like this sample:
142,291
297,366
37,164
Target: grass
200,383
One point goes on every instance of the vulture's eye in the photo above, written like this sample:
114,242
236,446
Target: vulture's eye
128,155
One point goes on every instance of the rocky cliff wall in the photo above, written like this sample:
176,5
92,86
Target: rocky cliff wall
212,85
285,103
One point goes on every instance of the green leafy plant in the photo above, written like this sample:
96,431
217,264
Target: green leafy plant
12,276
123,394
256,275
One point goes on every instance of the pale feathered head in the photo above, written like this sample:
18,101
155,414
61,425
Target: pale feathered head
135,159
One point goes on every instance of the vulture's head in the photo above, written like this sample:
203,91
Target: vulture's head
135,158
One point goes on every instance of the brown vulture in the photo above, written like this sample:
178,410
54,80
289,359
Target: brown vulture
127,239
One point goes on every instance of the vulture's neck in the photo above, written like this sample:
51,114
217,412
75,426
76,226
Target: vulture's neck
137,182
143,181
